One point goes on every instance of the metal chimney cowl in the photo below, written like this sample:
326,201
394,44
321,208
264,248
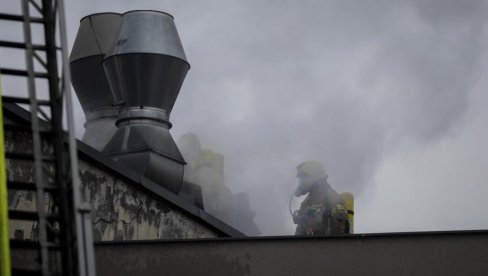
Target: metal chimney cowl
94,38
145,68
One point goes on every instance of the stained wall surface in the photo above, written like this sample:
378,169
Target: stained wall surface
121,209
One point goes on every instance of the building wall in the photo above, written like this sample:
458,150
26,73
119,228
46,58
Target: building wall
121,210
434,253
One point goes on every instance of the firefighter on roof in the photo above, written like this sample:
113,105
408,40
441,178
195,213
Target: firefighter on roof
322,212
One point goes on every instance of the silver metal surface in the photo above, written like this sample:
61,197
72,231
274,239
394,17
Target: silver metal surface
106,112
144,135
148,80
100,126
145,69
99,131
148,148
435,253
147,113
90,83
94,38
95,35
165,171
150,32
147,64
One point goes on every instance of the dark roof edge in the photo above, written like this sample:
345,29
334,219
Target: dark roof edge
87,152
396,235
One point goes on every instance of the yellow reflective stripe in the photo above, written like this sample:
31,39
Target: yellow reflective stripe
4,230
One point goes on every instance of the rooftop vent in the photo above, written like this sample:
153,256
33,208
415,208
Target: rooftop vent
94,38
145,68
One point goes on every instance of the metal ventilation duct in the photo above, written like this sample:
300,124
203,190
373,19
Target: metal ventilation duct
145,68
94,38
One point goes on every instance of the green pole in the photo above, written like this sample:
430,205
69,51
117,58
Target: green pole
4,230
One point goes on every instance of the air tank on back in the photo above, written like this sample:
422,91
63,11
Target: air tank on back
94,38
146,67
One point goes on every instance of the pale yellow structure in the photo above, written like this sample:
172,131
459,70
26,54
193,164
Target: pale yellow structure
348,199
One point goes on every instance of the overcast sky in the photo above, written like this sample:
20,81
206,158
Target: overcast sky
390,95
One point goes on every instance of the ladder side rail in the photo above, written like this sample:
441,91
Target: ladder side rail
61,166
36,139
84,234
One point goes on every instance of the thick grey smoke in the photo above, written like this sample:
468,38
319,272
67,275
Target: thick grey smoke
370,88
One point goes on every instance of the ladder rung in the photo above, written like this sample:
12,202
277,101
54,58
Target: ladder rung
19,100
24,271
28,272
42,130
17,185
28,215
32,244
22,215
26,156
24,244
16,72
20,45
20,18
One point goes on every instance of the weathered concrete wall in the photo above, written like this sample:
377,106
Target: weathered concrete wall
120,210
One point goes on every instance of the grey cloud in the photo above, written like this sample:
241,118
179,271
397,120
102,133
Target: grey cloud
275,83
340,83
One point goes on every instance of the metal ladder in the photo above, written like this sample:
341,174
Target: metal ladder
64,238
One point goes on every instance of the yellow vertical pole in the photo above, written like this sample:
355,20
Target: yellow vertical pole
4,230
348,199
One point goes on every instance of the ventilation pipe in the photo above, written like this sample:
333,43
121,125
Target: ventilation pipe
146,67
94,38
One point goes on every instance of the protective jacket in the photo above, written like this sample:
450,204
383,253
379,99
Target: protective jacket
322,212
